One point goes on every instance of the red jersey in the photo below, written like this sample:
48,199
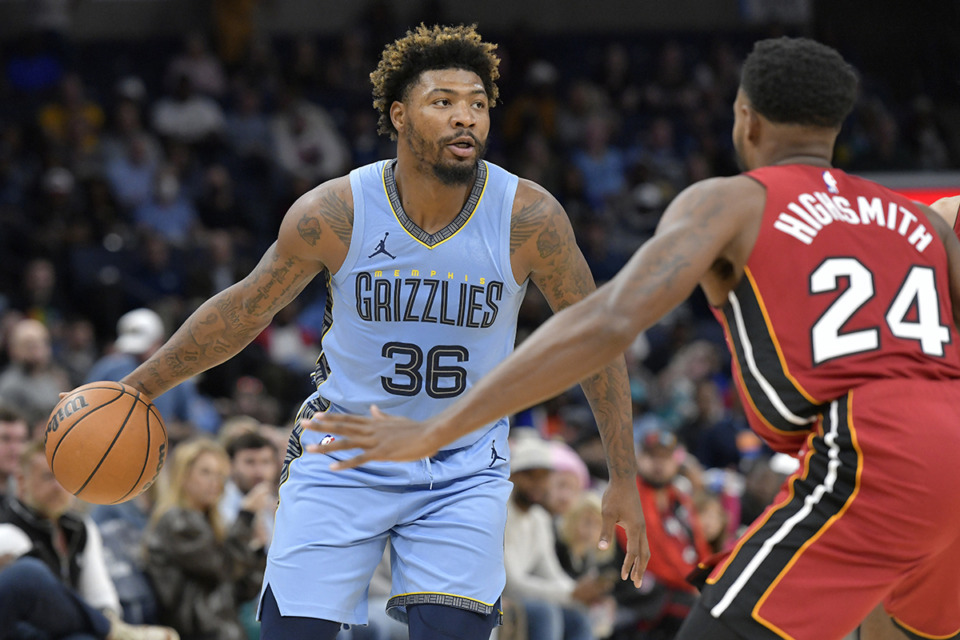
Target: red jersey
847,284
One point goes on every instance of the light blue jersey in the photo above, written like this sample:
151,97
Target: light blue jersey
413,320
416,318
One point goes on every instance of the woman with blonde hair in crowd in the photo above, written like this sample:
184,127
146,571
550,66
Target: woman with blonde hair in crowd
577,535
201,570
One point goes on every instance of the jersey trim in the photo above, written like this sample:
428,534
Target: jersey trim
444,599
835,464
431,240
773,391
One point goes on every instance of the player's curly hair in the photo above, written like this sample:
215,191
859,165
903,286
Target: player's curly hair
425,49
799,81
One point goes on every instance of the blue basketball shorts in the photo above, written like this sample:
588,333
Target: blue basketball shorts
443,516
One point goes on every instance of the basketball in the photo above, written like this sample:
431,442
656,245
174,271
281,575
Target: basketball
105,442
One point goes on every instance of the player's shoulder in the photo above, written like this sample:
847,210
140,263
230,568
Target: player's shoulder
740,191
333,195
533,200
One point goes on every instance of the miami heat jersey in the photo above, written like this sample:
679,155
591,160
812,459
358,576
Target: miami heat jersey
876,302
415,318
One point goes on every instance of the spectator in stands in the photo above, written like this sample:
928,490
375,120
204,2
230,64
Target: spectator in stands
122,527
677,544
186,116
69,546
33,601
568,481
14,432
56,118
554,603
168,212
201,570
577,535
307,143
32,382
132,172
253,468
197,63
603,166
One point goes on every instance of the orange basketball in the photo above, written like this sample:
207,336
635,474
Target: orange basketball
105,442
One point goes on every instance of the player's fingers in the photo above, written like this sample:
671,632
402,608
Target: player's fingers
340,424
638,552
607,527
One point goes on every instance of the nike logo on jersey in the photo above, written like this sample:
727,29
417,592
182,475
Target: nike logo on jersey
382,248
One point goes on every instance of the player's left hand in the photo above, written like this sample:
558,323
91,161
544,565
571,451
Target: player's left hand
381,436
621,505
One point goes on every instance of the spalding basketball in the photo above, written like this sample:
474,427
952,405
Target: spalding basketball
105,442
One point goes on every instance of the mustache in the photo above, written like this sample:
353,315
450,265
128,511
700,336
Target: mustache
461,134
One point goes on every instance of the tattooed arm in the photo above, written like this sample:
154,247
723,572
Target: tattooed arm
315,234
542,243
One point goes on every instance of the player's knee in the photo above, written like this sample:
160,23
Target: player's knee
437,622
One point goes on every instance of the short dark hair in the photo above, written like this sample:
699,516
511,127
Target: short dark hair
248,440
9,414
799,81
425,49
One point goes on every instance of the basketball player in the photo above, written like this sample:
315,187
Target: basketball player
427,259
839,299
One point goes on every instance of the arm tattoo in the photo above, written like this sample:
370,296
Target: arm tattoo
309,229
338,214
225,324
564,278
525,223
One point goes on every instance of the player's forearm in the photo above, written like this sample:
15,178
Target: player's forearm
608,393
219,329
568,347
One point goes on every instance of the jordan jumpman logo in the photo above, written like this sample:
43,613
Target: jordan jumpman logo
381,248
494,456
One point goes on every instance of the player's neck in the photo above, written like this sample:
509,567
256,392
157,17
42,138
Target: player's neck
428,202
798,145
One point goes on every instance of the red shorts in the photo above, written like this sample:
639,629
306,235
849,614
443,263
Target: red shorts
872,515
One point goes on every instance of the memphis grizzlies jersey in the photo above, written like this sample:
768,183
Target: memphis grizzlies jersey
415,318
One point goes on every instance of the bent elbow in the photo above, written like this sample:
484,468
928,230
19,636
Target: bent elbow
620,328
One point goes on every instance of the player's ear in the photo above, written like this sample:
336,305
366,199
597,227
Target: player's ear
397,115
754,124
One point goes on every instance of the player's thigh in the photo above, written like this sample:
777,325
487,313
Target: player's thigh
326,545
451,550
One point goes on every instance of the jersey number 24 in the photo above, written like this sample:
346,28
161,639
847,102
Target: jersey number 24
918,293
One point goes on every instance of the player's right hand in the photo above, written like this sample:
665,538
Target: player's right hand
381,436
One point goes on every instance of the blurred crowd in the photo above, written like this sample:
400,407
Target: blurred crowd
138,179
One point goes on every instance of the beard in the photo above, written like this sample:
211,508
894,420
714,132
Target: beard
450,173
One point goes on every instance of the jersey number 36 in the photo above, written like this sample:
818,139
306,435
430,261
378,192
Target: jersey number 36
440,378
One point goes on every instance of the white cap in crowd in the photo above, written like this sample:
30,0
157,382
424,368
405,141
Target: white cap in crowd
138,331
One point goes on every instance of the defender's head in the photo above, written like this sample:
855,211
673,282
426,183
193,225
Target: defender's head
791,86
433,89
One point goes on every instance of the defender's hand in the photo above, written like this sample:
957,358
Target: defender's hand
381,436
621,505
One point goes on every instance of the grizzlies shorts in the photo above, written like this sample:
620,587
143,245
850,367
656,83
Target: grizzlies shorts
443,516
